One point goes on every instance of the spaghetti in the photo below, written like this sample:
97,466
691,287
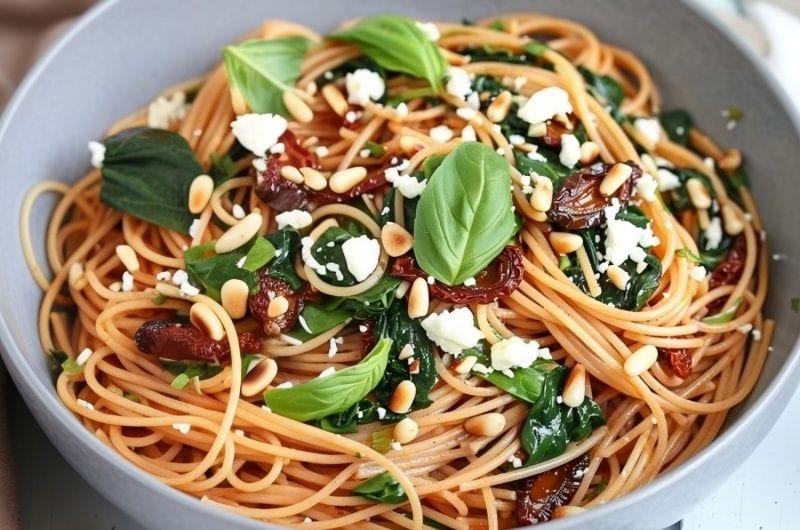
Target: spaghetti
207,438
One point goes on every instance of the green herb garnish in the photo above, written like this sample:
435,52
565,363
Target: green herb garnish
382,488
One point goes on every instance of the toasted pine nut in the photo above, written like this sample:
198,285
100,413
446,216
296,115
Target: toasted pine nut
292,174
542,196
641,360
498,109
403,397
589,152
418,301
410,144
237,102
233,296
405,430
239,234
347,179
615,178
565,242
259,377
203,318
396,239
575,387
75,275
311,88
536,130
698,194
703,220
731,160
313,178
732,220
565,511
618,276
406,353
200,192
463,365
128,257
490,424
277,306
334,97
297,107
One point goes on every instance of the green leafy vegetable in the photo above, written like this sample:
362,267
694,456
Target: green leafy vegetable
382,440
464,216
250,361
186,370
397,44
258,255
158,299
365,411
536,48
287,244
550,168
222,168
677,124
328,249
337,392
147,174
369,304
180,381
131,396
726,316
382,488
605,88
57,358
396,325
551,425
72,367
525,385
261,70
375,149
210,270
318,320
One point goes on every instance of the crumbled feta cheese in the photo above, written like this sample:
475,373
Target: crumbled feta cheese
303,323
545,104
647,239
364,85
164,276
362,328
480,368
240,263
308,520
188,289
622,238
85,404
756,334
239,433
98,152
364,153
667,180
285,384
516,139
474,101
83,356
351,116
260,164
127,282
570,150
650,128
258,132
429,29
698,273
361,256
164,111
533,155
237,211
194,228
407,185
332,348
278,149
197,133
470,282
745,328
514,353
646,187
321,151
291,341
179,277
381,412
395,446
520,82
298,219
453,331
468,134
305,253
431,280
182,428
458,82
466,113
713,233
326,372
402,289
402,110
441,134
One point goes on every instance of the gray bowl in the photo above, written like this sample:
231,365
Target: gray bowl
122,53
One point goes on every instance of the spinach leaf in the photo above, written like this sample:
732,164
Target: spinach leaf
551,425
335,393
365,411
677,124
222,168
147,173
551,169
210,270
464,216
261,70
526,385
606,89
369,304
185,371
287,244
397,44
319,320
328,249
396,325
382,488
388,214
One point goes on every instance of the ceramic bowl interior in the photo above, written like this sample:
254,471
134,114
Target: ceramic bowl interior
123,53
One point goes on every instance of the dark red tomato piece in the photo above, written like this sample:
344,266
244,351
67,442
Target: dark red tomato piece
540,495
173,340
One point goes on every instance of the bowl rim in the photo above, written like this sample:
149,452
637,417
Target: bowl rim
30,385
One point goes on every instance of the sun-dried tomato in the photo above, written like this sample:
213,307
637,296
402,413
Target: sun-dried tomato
500,278
275,191
173,340
552,136
539,495
728,272
679,360
270,288
579,203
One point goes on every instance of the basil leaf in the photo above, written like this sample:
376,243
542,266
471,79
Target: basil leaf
319,320
397,44
147,173
249,361
261,70
335,393
346,422
191,369
464,216
287,244
551,425
369,304
526,385
259,255
677,124
382,488
396,325
210,270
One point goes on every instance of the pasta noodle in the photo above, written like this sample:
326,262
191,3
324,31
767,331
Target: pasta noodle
212,442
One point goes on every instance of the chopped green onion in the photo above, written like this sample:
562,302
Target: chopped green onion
375,149
688,254
159,299
72,367
382,440
564,263
726,316
180,381
536,48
